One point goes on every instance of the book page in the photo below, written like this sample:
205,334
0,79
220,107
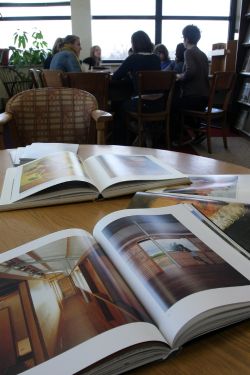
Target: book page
231,188
110,169
40,149
172,260
65,298
37,175
233,218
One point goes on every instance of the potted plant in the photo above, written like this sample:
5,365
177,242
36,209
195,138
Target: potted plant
24,56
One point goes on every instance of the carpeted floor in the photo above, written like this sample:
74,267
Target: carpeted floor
238,151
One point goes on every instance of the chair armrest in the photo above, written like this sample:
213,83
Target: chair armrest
101,118
5,118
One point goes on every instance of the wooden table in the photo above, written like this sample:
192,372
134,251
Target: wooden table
225,352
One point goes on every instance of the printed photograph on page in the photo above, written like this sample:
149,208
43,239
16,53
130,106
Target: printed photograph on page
56,297
233,218
168,259
49,168
211,186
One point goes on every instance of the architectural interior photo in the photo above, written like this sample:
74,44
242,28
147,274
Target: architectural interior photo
56,297
170,260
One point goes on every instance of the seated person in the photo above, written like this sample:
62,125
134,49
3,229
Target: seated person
194,78
130,51
67,59
141,59
162,52
56,48
177,64
94,60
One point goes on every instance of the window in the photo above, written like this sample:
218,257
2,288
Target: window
115,44
213,8
118,7
113,23
209,34
34,15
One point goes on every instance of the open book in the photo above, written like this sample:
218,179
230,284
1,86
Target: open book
143,285
22,155
233,218
229,188
61,178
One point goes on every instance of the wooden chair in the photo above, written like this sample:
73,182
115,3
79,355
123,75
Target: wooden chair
221,88
52,115
151,85
95,83
13,81
53,78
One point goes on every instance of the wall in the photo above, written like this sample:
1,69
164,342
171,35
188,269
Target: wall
81,24
47,312
17,319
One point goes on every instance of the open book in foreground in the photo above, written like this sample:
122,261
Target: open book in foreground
143,285
62,178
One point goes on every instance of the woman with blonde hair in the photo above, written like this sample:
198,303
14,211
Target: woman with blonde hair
67,59
94,60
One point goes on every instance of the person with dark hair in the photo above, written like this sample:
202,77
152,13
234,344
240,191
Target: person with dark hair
162,51
94,60
130,51
177,64
56,48
194,79
67,59
141,59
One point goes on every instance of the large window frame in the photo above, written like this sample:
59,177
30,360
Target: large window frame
31,5
16,15
158,17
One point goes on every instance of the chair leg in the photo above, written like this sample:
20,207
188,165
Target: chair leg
224,133
140,132
168,143
209,146
182,125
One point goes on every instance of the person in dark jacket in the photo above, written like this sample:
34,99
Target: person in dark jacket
162,51
141,59
94,60
56,48
177,64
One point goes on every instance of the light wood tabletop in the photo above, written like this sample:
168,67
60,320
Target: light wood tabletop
223,352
